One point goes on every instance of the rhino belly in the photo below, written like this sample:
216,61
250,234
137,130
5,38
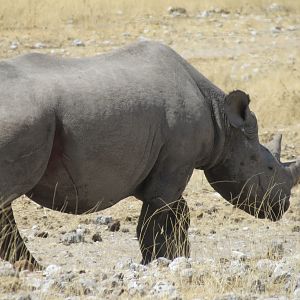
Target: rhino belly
67,188
77,182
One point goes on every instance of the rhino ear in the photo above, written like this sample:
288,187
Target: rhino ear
237,108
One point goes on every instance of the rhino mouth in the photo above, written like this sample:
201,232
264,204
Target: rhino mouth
272,212
264,203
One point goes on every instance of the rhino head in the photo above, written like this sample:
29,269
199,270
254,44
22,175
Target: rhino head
248,174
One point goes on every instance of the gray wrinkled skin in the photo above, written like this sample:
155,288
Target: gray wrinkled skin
82,134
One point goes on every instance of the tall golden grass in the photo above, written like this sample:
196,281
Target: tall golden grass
52,13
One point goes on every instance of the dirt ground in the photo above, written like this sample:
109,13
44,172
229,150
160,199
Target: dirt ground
256,50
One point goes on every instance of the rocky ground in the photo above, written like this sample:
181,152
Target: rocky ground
234,256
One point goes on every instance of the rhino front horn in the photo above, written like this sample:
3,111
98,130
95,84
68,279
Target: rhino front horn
275,146
294,169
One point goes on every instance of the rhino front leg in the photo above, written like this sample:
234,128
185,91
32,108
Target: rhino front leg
163,232
12,246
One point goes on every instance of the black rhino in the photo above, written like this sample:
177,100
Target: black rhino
82,134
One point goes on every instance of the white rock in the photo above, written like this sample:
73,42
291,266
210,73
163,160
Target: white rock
103,220
239,255
275,29
230,296
282,273
275,7
138,267
81,231
203,14
52,271
177,11
78,43
276,298
126,34
123,264
67,276
47,286
24,297
179,263
142,38
160,262
129,275
245,66
7,269
89,285
187,274
107,42
73,237
296,293
291,28
132,284
14,45
266,266
83,227
134,287
237,268
35,228
34,283
110,283
297,282
163,289
265,263
39,45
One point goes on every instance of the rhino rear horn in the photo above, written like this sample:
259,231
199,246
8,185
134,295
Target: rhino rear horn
274,146
294,169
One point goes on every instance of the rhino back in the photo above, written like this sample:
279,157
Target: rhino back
114,115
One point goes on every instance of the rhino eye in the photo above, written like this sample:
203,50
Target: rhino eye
270,168
253,157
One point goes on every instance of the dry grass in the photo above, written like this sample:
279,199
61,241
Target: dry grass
89,13
211,277
264,65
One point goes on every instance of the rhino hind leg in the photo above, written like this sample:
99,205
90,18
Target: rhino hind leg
12,246
163,232
25,149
